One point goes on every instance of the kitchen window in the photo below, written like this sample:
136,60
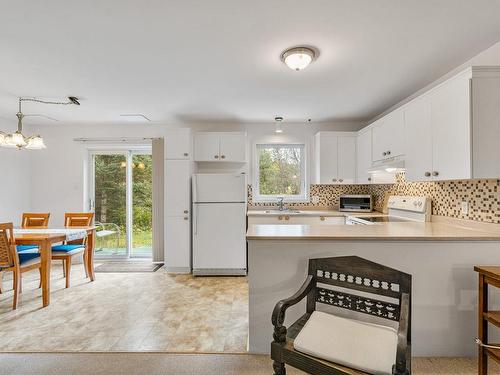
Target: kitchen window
280,172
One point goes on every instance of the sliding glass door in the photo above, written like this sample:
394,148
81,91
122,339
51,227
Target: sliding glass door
121,197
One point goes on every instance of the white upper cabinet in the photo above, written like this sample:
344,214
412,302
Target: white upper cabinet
418,139
229,147
388,136
451,131
326,158
178,144
232,147
206,147
486,123
364,156
347,159
335,158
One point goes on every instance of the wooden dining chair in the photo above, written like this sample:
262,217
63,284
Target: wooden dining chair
16,262
35,220
68,250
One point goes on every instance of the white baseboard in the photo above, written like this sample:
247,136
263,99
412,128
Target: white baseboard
177,269
219,272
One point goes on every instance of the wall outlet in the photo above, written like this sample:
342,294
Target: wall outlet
315,199
464,208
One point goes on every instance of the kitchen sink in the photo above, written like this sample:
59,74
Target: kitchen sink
287,211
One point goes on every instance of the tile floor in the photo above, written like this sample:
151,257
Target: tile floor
127,312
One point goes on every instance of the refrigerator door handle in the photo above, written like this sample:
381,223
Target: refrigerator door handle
195,221
195,188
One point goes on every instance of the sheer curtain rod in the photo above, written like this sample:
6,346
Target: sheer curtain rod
113,139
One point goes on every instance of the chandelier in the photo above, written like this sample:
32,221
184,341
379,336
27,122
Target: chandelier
18,139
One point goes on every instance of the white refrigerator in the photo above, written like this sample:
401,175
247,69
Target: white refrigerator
219,224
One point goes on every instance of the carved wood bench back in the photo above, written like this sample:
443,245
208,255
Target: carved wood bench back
358,274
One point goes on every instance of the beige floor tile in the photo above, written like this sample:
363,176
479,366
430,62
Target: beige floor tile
127,312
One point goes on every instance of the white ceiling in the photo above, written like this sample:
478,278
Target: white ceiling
218,60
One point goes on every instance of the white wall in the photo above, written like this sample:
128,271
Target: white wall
15,184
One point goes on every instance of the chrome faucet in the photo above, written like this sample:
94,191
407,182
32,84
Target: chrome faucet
281,205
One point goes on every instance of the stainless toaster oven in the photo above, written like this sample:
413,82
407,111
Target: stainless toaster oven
356,203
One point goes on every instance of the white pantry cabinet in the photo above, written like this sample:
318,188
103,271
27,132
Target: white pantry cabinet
177,187
177,215
178,144
335,160
177,244
452,131
388,136
220,147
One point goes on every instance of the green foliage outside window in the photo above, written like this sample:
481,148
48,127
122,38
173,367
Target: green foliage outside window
280,169
110,195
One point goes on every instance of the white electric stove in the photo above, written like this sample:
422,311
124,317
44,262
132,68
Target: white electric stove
400,209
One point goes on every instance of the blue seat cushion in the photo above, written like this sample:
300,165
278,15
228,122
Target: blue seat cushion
25,257
67,248
26,247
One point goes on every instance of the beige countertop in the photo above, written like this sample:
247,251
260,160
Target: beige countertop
401,231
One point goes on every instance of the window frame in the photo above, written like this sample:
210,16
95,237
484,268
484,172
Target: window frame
304,183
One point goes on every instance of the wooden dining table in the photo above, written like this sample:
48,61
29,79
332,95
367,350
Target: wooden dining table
44,241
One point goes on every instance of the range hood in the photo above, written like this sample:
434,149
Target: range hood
392,165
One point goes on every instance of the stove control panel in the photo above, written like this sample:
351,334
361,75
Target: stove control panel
414,204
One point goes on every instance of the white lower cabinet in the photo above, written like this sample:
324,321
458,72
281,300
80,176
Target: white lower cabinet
296,220
177,244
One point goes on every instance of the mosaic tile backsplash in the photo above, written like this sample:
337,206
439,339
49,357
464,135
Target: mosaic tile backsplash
483,196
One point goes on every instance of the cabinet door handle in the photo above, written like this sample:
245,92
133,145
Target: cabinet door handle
384,153
369,178
341,180
186,211
427,174
334,179
223,156
186,218
216,156
435,173
322,218
388,152
186,154
287,217
280,217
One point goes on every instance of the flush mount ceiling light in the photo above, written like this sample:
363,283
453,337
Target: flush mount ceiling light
278,120
18,139
298,58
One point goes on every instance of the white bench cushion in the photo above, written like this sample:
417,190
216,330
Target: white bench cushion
364,346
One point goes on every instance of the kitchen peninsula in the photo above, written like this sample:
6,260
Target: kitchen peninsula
439,254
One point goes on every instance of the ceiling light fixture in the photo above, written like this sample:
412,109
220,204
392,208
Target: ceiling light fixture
298,58
278,120
18,139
